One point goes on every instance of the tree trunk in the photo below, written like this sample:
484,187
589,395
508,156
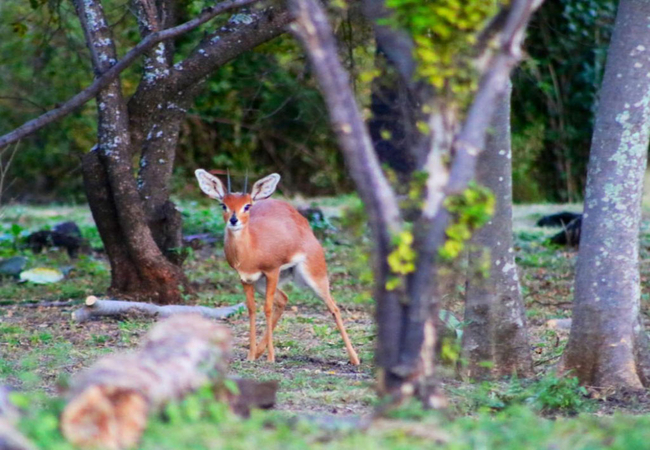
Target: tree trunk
607,346
406,313
494,311
397,97
120,214
139,225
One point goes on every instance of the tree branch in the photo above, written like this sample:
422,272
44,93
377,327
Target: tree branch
396,44
315,33
103,81
242,34
431,229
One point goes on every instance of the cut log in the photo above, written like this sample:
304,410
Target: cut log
95,308
109,403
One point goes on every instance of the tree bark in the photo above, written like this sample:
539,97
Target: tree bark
607,346
494,311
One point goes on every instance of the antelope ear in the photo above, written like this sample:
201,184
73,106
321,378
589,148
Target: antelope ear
210,185
265,187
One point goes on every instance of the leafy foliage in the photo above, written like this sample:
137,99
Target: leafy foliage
44,64
555,95
471,210
443,32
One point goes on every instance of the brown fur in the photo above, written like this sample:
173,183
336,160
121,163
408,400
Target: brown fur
273,233
266,239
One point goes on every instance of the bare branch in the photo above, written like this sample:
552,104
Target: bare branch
4,169
103,81
471,138
313,29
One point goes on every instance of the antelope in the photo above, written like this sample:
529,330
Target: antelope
268,242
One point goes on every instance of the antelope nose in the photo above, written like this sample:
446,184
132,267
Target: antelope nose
233,219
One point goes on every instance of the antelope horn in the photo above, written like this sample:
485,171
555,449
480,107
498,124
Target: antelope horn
246,182
228,173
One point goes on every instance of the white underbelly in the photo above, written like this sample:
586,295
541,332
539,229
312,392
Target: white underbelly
255,276
250,277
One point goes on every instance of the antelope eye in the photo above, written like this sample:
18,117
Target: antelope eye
224,207
247,207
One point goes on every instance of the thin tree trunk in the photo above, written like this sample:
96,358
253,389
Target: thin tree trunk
607,346
494,312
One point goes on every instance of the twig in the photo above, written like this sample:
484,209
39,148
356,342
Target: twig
557,304
91,91
4,169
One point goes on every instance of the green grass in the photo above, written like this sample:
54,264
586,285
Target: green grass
41,349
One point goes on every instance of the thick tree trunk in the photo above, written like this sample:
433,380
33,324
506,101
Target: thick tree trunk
607,346
157,278
124,272
139,225
397,97
494,311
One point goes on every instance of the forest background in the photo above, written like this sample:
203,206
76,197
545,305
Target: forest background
263,113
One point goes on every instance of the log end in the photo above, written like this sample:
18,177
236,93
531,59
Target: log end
105,417
91,300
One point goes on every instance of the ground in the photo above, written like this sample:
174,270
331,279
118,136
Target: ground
41,347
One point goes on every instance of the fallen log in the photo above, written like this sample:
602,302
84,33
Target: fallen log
95,308
108,404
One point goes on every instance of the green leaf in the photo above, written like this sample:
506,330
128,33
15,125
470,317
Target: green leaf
19,28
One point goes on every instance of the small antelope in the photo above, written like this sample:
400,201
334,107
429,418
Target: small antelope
268,242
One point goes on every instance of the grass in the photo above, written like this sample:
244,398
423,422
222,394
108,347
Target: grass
41,348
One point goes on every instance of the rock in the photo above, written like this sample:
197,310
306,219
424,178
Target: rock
13,266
